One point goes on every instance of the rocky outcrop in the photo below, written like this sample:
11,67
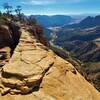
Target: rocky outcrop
25,65
36,71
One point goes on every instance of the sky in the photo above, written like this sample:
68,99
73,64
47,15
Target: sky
55,7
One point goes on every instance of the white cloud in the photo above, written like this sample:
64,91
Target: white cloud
72,1
38,2
44,2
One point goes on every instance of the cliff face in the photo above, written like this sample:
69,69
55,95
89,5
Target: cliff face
36,71
9,37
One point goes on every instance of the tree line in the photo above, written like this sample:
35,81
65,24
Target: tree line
9,9
18,16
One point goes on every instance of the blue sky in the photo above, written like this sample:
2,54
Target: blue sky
53,7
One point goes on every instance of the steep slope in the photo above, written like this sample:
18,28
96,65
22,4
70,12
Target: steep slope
36,71
82,40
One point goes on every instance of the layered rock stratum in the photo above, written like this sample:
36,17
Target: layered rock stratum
34,72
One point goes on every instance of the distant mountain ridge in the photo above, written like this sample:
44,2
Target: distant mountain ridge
86,23
52,21
93,20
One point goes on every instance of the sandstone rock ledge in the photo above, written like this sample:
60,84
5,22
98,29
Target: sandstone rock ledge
36,71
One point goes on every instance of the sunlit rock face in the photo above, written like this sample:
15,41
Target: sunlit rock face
35,71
